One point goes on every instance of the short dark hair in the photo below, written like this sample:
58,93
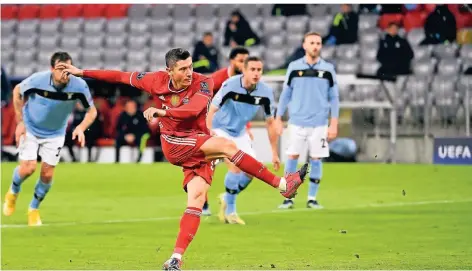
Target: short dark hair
250,59
393,24
207,34
174,55
311,33
60,57
238,51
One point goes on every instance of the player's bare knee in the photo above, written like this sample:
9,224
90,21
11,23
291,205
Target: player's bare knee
197,190
47,173
293,157
27,168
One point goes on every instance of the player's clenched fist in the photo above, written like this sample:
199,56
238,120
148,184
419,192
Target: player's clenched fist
153,112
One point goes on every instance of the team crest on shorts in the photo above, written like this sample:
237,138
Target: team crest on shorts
185,100
175,100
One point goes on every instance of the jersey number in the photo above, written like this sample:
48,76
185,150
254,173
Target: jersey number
58,152
323,143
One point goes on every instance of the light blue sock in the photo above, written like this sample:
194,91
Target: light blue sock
315,177
232,189
17,181
291,165
40,191
244,181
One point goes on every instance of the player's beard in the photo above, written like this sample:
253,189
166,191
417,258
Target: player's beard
314,54
236,71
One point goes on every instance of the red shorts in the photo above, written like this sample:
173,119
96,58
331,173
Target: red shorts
185,152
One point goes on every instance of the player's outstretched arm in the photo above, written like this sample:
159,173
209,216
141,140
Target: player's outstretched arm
135,79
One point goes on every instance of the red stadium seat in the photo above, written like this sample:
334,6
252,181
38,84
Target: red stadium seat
94,11
429,7
110,129
116,10
9,12
71,11
105,142
414,20
386,19
49,11
454,8
28,12
463,20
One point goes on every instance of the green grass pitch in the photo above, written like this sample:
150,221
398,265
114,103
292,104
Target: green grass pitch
127,217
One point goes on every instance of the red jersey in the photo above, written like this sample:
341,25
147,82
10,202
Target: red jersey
186,109
219,77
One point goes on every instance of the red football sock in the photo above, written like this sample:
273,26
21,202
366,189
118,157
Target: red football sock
188,228
250,165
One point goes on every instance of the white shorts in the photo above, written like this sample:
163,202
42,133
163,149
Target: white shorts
243,142
316,137
49,148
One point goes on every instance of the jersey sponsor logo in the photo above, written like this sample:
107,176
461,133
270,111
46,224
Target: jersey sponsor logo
140,75
320,74
175,100
257,100
186,100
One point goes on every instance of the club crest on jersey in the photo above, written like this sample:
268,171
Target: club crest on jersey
300,73
46,94
175,100
140,75
236,97
185,100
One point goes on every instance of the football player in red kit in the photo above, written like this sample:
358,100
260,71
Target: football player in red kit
183,98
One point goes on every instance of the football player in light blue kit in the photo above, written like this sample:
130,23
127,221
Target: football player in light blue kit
237,102
312,96
43,103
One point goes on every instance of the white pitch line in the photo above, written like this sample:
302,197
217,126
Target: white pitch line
278,211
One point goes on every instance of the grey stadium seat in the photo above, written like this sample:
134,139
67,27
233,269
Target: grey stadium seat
115,42
465,84
467,63
116,26
415,36
8,27
369,67
138,11
366,92
256,26
142,66
448,66
346,93
369,51
49,27
7,55
416,88
250,10
93,42
318,10
70,43
273,25
423,67
367,22
48,42
91,56
225,10
294,40
160,11
139,56
206,11
370,36
465,52
138,42
347,51
205,25
184,41
114,65
113,56
422,52
277,41
26,42
274,58
23,57
94,26
138,26
183,27
328,52
445,51
24,71
157,57
72,26
27,27
348,66
320,24
297,24
224,52
183,11
8,42
161,41
257,50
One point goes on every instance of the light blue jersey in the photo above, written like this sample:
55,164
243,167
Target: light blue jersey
47,109
237,106
311,93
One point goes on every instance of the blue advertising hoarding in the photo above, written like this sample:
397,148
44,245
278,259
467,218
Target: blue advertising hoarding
453,151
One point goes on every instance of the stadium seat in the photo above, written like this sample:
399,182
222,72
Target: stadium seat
49,11
205,25
138,42
366,92
369,67
26,42
294,40
27,27
277,41
347,51
346,93
184,27
273,25
116,10
23,70
328,52
115,56
416,87
49,26
367,22
369,51
115,42
185,41
49,42
297,24
463,20
7,42
422,52
116,26
448,67
250,10
139,11
274,57
72,11
257,50
8,27
71,27
318,10
6,55
161,25
94,26
347,66
414,20
70,43
28,12
138,27
9,12
466,52
369,36
93,42
205,11
423,67
91,57
182,11
138,56
386,19
163,40
415,36
428,8
445,51
159,11
320,24
94,10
